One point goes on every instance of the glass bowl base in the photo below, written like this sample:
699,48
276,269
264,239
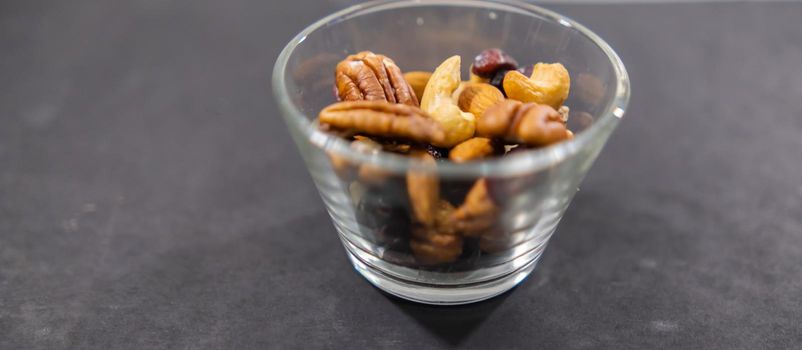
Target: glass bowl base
438,294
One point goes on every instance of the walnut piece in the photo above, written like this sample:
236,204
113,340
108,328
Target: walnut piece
528,123
371,77
382,118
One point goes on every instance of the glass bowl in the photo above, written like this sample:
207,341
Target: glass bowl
530,190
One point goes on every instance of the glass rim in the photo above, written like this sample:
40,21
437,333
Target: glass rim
524,162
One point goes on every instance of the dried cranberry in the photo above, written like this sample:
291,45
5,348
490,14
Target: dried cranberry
490,61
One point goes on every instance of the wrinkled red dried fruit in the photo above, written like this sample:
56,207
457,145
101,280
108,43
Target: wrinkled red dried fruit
490,61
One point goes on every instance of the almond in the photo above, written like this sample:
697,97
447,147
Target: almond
478,97
473,149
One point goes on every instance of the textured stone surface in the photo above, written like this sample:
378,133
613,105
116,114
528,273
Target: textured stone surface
150,197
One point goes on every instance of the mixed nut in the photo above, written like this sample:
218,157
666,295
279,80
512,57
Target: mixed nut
436,117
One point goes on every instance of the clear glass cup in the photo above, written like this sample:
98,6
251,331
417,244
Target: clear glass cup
530,189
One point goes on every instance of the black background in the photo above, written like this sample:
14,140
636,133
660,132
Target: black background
150,196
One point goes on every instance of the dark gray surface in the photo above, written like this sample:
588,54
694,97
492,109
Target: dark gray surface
150,197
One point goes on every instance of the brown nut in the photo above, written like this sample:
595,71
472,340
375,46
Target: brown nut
418,80
424,191
549,85
381,118
439,243
478,213
368,76
472,149
367,173
389,145
528,123
432,248
475,98
372,175
442,218
498,119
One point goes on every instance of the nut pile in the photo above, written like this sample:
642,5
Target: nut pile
437,117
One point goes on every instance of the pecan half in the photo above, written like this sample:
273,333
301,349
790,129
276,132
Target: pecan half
370,175
367,173
432,248
368,76
438,243
424,191
442,218
528,123
381,118
478,213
